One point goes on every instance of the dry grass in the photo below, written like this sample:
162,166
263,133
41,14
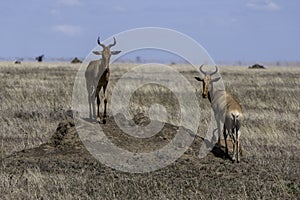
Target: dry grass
34,97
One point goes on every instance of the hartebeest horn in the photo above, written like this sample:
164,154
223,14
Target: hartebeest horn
216,71
102,45
202,70
113,44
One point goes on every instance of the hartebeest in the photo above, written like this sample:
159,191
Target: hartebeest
97,77
226,109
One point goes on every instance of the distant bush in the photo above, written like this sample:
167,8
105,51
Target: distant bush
256,66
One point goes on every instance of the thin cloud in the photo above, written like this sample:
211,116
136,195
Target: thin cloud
70,2
68,30
54,12
267,5
120,9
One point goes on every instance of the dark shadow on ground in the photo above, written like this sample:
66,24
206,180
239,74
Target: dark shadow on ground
91,120
217,151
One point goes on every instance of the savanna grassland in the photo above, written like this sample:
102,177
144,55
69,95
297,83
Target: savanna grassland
42,156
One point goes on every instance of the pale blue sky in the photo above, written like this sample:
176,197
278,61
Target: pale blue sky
230,30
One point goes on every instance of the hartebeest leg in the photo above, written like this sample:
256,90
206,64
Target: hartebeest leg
91,100
105,103
219,138
98,104
233,138
92,103
225,140
90,106
98,110
237,145
219,130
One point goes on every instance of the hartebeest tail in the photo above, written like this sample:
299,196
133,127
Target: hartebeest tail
226,109
97,77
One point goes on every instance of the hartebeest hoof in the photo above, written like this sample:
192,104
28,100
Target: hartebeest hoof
233,160
104,118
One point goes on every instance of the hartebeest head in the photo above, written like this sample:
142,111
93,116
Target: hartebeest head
207,80
106,52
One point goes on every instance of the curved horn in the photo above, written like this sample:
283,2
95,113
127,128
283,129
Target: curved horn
216,71
201,69
102,45
113,44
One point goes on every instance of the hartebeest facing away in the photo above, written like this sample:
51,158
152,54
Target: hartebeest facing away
97,77
229,112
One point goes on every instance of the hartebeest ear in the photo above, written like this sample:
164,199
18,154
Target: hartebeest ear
115,52
215,79
97,52
198,78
